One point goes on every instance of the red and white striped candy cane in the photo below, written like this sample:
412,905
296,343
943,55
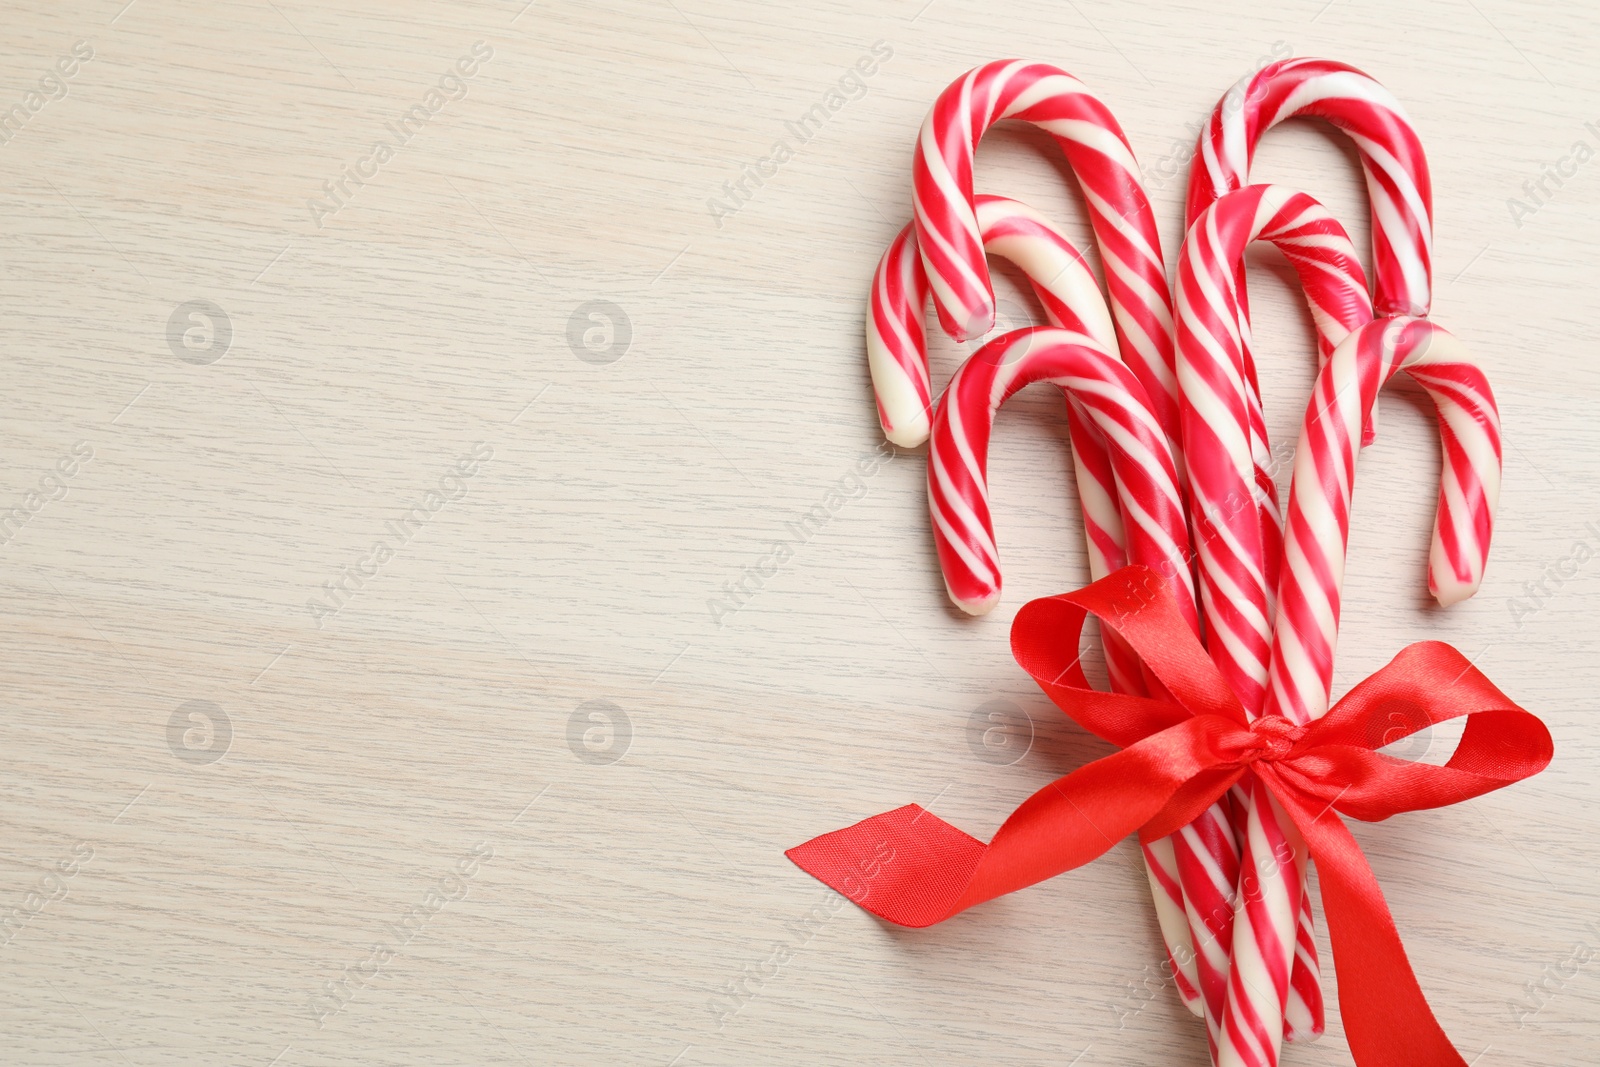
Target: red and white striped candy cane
951,244
1316,537
1071,298
898,358
1317,526
1400,192
1235,548
1398,187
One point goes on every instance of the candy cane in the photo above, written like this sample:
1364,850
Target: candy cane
950,243
1317,526
1316,537
1318,517
1235,548
1398,187
948,235
1400,190
897,355
1400,193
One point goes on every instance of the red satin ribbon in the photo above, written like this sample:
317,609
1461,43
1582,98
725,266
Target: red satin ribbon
1177,757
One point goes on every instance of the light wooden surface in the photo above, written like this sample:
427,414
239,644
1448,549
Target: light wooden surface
418,771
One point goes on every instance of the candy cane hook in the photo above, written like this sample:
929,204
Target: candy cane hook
949,238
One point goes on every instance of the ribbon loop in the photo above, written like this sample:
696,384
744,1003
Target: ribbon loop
1427,683
1136,603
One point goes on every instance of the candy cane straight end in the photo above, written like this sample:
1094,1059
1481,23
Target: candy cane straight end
1303,1031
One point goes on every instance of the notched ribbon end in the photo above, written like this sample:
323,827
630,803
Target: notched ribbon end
907,866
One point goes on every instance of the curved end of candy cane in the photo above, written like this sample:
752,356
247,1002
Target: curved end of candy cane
910,432
968,556
897,343
1453,576
1451,591
943,200
980,322
980,604
961,322
1469,427
902,395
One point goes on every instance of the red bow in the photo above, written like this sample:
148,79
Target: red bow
1178,756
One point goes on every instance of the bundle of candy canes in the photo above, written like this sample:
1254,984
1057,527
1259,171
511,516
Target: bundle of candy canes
1219,602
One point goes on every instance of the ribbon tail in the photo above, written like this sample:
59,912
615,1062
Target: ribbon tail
907,865
914,869
1387,1020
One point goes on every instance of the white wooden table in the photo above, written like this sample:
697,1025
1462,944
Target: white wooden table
507,789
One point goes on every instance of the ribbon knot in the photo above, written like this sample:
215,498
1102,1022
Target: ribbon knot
1277,737
1179,754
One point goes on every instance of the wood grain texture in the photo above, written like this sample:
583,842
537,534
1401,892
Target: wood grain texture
435,724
